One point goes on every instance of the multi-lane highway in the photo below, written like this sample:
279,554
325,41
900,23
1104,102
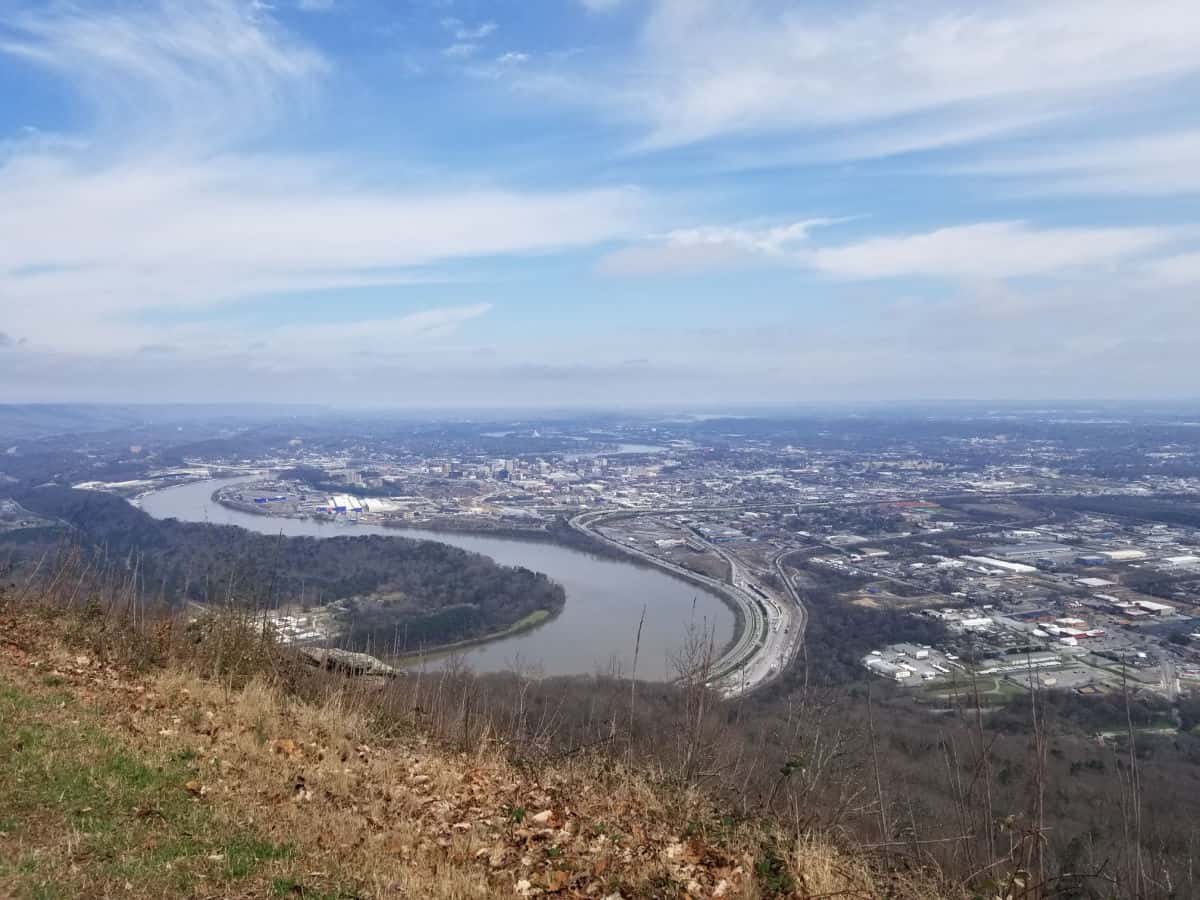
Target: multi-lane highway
774,620
772,625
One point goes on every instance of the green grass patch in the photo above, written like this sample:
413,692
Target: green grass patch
537,617
992,692
82,815
243,855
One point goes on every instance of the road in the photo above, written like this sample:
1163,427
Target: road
1170,679
801,625
772,626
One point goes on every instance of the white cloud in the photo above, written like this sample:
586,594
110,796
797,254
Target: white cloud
705,69
1075,339
148,234
203,71
1183,269
375,335
512,58
1154,163
701,249
479,32
466,38
873,141
987,250
981,250
468,33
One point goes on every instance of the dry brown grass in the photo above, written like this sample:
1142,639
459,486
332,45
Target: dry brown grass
378,808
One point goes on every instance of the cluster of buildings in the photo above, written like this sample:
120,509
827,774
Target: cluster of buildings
1073,627
953,525
910,663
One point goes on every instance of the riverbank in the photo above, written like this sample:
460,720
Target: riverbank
581,534
535,619
556,532
559,532
562,534
606,591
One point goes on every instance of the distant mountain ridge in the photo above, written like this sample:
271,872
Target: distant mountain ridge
27,421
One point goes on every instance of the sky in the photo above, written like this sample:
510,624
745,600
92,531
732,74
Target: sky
599,203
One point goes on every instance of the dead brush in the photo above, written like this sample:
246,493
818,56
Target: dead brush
103,611
640,769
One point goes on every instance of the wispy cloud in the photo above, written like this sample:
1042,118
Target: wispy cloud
477,33
1165,162
987,250
713,247
1182,269
181,234
467,38
710,69
978,250
201,71
377,335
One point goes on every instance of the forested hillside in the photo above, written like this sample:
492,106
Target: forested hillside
436,592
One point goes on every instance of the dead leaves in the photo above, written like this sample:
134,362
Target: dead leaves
412,808
557,880
497,856
285,747
195,788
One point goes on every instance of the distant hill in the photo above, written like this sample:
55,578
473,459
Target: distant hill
26,421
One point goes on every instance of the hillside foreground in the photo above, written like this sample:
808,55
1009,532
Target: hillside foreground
152,780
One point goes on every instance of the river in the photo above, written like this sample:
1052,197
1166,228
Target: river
604,596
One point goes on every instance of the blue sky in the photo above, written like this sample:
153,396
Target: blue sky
599,202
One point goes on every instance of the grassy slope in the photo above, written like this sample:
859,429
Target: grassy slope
81,815
165,784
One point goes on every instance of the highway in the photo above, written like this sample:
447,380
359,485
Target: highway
801,619
772,626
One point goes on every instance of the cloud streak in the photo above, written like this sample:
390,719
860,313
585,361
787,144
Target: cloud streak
907,78
200,70
144,235
1154,163
1180,270
987,250
974,251
713,247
